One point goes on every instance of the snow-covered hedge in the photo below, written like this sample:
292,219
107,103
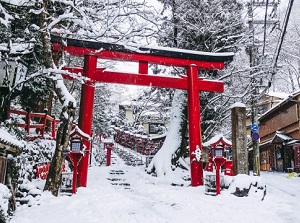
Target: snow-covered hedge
4,200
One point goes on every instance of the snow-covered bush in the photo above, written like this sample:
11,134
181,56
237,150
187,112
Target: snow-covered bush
35,152
4,200
98,154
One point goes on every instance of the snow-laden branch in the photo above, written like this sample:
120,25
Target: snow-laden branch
5,17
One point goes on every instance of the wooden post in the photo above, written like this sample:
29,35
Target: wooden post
194,127
28,122
86,114
239,139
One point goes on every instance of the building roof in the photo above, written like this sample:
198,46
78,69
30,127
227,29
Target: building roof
283,102
218,140
9,142
281,95
279,137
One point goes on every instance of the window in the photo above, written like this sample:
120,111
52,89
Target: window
75,146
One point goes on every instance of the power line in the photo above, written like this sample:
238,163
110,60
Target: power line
265,29
285,24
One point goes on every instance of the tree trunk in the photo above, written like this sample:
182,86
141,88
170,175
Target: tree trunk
62,139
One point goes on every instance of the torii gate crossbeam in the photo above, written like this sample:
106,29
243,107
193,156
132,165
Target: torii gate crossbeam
192,60
150,80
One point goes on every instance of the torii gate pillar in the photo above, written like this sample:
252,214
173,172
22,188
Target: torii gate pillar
194,127
86,114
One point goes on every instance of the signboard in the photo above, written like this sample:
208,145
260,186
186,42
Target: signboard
255,136
254,127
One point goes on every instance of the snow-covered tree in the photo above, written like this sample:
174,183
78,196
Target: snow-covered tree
33,22
287,78
212,26
102,110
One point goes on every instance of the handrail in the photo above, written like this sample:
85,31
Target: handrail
39,127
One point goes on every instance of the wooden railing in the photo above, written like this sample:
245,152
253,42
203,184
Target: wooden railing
141,144
36,124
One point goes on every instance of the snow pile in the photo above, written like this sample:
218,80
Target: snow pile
244,185
4,196
28,194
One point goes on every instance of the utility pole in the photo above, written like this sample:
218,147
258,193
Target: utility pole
258,61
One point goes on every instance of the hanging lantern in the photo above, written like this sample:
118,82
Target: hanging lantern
12,74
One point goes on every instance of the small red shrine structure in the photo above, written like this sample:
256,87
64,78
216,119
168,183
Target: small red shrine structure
193,61
217,158
78,152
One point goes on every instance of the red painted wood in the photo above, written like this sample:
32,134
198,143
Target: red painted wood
135,57
194,126
151,80
143,67
86,114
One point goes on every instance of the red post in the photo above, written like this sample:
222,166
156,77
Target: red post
75,158
86,114
108,155
194,127
44,122
74,181
143,67
219,162
53,128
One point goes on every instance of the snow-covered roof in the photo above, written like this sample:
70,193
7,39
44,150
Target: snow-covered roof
158,136
280,137
77,130
284,101
216,139
126,103
238,105
17,48
151,113
9,140
153,50
281,95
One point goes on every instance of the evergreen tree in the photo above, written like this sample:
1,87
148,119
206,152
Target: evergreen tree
102,110
211,26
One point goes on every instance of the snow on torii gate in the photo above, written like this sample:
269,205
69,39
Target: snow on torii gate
191,60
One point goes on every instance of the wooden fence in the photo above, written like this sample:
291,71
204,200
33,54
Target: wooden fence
37,124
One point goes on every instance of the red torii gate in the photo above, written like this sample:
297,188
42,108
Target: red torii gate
192,60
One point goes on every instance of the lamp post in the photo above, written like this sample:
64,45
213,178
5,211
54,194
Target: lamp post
219,161
12,75
77,152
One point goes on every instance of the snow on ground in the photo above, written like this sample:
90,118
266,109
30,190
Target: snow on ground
134,196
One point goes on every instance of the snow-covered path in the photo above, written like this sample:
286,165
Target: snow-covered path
283,195
120,194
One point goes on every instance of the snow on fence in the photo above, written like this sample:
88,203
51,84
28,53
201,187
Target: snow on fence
36,124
